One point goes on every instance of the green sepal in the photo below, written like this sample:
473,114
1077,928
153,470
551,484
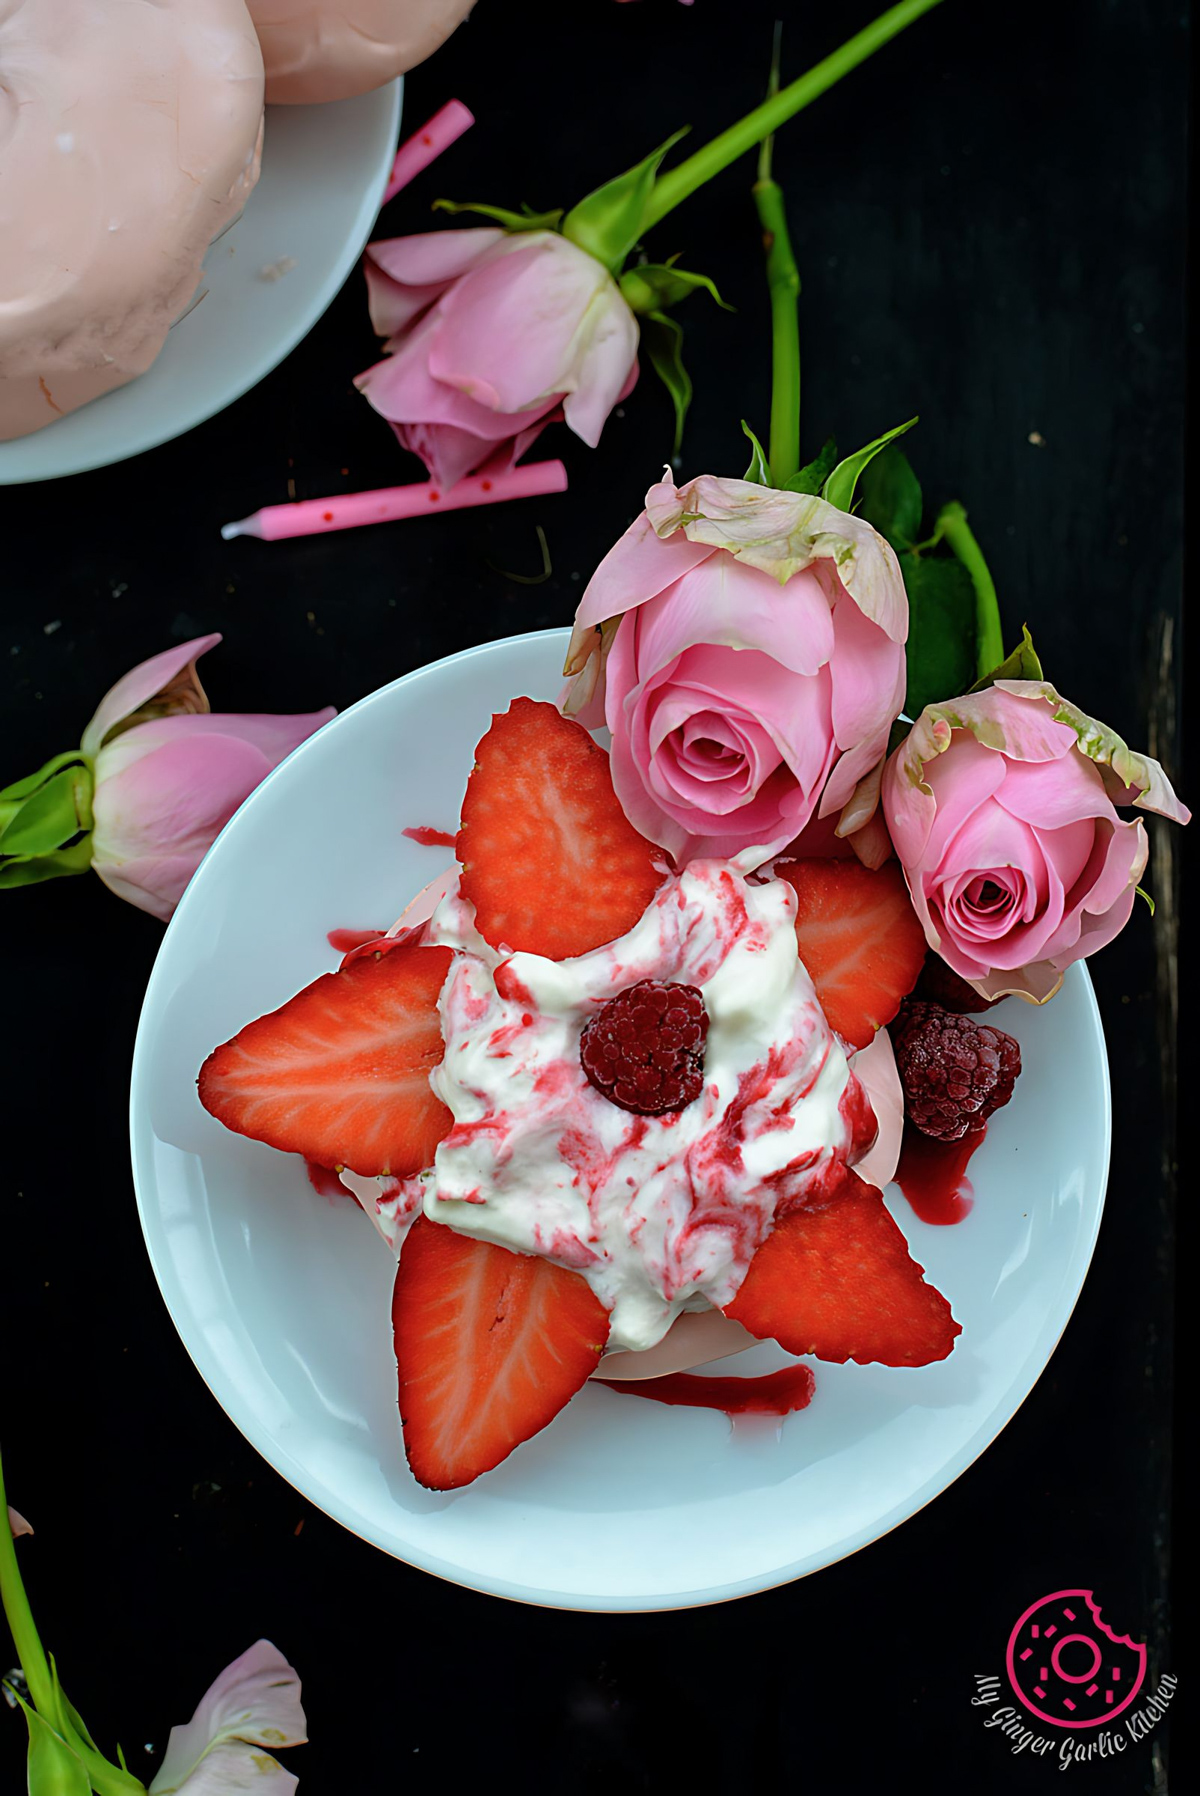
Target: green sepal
54,1769
839,488
656,286
53,814
891,498
662,339
813,475
24,788
608,222
524,220
759,470
1143,893
34,869
70,1721
1022,664
940,652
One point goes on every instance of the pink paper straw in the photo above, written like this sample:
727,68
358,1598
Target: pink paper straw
427,144
313,517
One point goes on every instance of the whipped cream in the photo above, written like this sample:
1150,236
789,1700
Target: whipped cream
659,1214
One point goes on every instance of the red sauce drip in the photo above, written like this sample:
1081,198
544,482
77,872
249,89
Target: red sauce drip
347,940
353,944
430,838
932,1175
322,1179
772,1394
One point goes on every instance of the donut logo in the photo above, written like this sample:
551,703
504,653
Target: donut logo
1068,1667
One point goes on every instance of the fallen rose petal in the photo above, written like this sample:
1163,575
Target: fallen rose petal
254,1703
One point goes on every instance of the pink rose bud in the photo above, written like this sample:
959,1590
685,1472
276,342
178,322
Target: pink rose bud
756,670
491,335
1002,810
169,775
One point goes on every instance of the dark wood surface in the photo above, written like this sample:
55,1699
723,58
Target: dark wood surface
989,222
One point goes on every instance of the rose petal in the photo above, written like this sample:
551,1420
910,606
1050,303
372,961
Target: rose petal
521,329
255,1700
876,1068
274,735
144,683
607,370
153,882
784,533
1052,793
402,389
1116,760
869,676
638,567
405,275
171,805
724,604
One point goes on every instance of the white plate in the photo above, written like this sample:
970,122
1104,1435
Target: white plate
282,1297
324,170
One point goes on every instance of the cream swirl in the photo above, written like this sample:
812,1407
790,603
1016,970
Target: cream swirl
660,1214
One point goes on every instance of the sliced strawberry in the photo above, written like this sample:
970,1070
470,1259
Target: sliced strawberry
490,1345
340,1073
860,940
836,1280
550,861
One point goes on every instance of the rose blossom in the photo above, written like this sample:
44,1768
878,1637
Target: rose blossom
756,668
169,776
490,336
1001,806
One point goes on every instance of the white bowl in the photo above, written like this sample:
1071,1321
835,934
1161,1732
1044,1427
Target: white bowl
324,170
283,1298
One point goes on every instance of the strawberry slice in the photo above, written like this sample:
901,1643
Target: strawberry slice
550,861
835,1279
340,1073
490,1345
860,940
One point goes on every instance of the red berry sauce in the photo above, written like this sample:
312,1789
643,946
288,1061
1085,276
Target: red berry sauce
771,1394
932,1175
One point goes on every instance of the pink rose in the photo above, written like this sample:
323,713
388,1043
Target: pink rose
1001,807
756,669
490,336
169,776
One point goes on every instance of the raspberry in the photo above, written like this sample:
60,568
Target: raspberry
940,984
955,1071
645,1050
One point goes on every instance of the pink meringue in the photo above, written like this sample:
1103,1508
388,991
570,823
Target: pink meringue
129,139
330,49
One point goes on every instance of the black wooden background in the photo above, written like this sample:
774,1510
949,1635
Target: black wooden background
989,221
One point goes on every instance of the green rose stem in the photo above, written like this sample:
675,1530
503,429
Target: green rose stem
45,1694
952,527
783,282
671,189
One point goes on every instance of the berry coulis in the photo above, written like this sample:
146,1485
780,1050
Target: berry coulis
322,1179
428,837
347,940
770,1394
932,1175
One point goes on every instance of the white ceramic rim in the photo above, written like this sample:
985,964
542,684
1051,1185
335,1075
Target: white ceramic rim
322,1497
